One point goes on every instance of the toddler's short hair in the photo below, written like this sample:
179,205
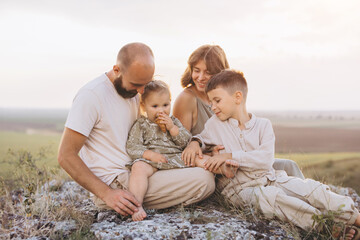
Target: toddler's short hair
154,86
230,80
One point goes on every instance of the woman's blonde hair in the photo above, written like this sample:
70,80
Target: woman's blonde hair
214,58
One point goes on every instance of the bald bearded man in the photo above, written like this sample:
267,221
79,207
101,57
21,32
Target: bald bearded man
92,150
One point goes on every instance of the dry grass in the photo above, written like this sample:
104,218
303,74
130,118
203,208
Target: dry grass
339,173
26,207
15,211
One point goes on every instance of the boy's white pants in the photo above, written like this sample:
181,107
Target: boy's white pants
292,199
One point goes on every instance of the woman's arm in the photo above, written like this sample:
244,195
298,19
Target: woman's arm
185,109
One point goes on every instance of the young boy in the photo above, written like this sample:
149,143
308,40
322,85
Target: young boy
249,144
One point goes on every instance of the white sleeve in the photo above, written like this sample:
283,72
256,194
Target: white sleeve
207,136
85,112
263,156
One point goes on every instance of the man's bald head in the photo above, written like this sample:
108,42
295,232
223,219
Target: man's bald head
134,52
133,70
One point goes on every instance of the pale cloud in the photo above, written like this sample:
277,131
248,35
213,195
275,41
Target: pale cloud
287,49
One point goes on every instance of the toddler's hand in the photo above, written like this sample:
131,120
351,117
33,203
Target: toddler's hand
166,119
158,157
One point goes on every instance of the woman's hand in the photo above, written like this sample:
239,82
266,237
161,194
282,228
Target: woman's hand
190,152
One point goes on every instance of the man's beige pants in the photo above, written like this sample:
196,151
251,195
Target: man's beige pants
170,187
292,199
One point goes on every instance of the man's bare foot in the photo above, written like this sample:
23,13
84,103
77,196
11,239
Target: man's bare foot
229,168
139,215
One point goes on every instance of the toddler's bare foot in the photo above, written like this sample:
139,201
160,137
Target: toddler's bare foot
139,215
229,168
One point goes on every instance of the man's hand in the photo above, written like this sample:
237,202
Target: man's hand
190,152
154,156
215,162
121,201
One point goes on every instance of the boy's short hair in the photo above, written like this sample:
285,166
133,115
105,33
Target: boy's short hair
230,80
154,86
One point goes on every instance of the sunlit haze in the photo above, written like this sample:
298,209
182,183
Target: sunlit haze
296,55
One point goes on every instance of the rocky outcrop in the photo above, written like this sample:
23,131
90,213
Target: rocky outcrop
206,220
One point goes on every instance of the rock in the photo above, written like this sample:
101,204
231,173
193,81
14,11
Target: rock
65,227
38,238
206,220
181,224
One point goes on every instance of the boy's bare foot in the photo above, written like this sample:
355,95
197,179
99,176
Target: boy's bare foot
139,215
351,233
229,168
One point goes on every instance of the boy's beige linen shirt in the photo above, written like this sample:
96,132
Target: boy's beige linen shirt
253,147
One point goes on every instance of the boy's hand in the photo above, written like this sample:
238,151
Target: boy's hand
215,162
154,156
190,152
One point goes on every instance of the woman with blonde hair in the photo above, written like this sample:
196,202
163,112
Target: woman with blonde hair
192,106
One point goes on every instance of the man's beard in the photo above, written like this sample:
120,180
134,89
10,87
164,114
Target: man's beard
122,91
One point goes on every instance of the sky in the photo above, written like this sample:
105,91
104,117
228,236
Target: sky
295,55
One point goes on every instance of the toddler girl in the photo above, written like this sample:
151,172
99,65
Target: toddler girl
150,147
156,142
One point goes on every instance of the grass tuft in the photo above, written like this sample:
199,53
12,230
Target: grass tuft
26,205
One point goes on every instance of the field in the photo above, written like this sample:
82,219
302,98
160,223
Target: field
316,140
327,148
19,141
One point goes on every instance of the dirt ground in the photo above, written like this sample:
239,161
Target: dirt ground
288,139
292,139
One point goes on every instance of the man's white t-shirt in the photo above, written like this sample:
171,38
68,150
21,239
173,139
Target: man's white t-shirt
105,118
